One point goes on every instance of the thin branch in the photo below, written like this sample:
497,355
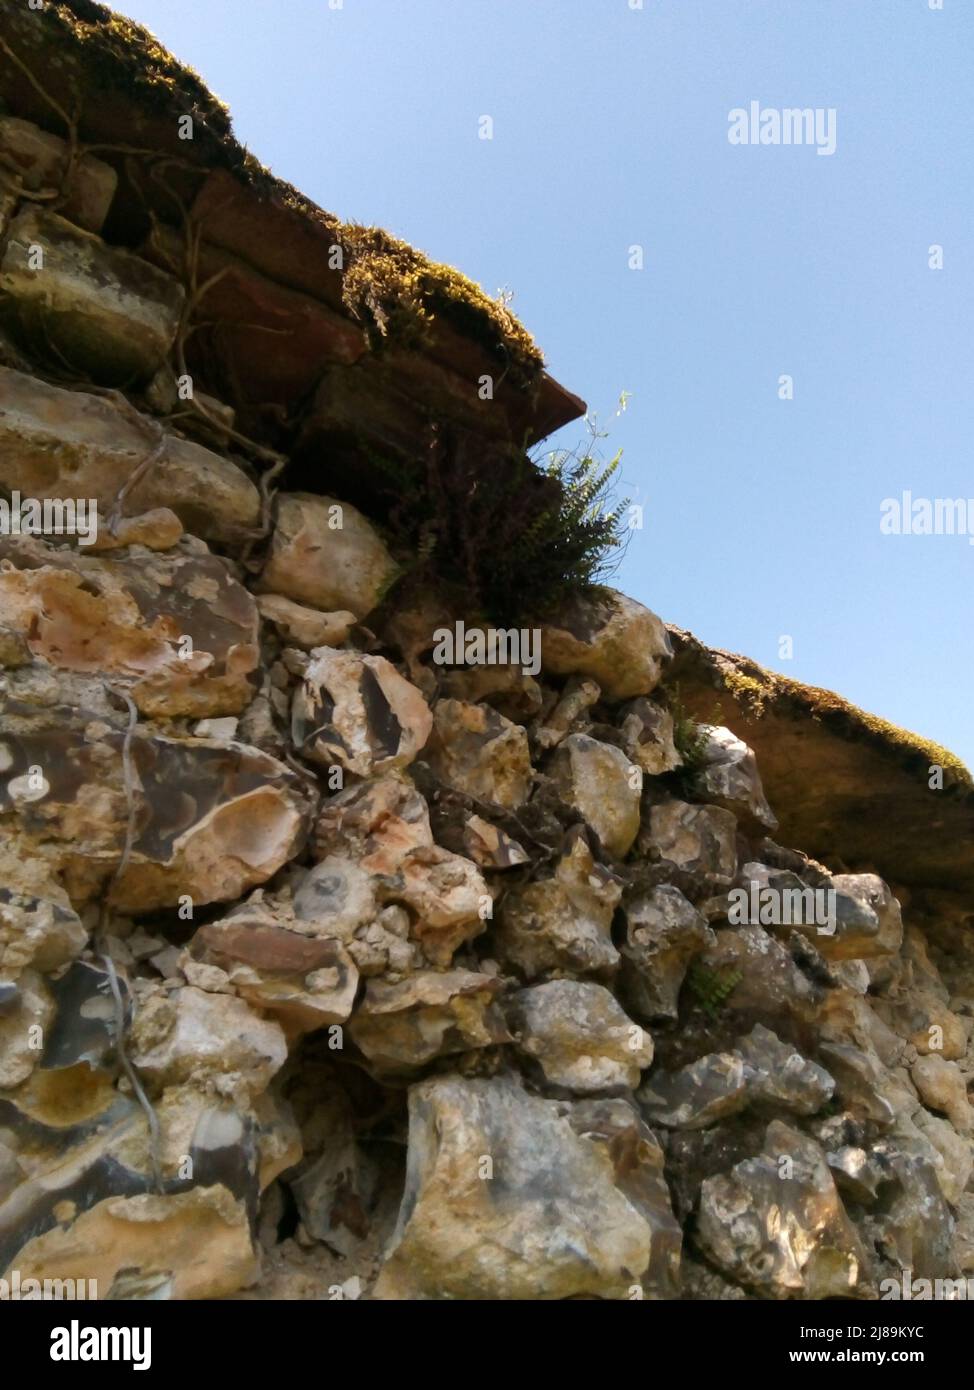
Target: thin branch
155,1138
135,477
38,88
128,782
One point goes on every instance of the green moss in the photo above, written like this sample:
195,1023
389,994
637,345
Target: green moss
827,703
396,288
389,285
749,691
124,56
756,688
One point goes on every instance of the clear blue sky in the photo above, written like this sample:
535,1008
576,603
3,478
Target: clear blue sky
610,130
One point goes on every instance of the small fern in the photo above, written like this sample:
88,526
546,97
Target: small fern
712,988
688,737
515,534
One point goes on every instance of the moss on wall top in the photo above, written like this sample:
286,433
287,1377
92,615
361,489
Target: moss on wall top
119,54
757,691
388,284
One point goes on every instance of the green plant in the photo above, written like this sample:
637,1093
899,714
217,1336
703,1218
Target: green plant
689,740
711,988
514,534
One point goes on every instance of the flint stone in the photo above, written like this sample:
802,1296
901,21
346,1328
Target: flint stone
637,1160
305,982
915,1229
577,699
664,932
211,820
951,1153
385,946
504,1201
780,1076
183,1245
48,1116
647,731
936,1029
490,847
505,688
759,1071
357,711
336,897
56,443
857,1173
402,1026
448,895
579,1036
38,161
861,900
91,1145
859,1081
784,1236
563,922
158,529
322,565
306,627
783,902
376,823
43,932
30,1008
964,1234
595,779
729,777
88,1023
476,751
699,839
942,1086
611,638
697,1095
211,1041
849,917
128,618
769,987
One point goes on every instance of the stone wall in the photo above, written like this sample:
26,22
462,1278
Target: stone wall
334,965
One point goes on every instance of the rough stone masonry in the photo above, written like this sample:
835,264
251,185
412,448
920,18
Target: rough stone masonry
328,969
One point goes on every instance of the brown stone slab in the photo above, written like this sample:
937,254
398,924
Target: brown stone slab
845,785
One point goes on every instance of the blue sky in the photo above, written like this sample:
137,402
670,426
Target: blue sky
610,130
